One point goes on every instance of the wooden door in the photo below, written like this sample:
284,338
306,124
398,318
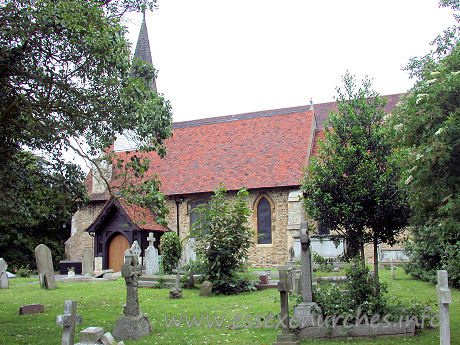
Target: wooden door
117,248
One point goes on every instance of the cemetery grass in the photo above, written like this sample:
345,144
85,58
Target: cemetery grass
101,304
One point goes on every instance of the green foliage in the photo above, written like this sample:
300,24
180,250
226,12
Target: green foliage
351,186
35,204
67,83
324,265
223,238
359,294
197,266
171,250
426,128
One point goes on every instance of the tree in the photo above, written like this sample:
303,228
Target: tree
351,187
426,128
223,238
44,201
67,79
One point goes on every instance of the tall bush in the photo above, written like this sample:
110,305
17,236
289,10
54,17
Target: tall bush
223,238
170,251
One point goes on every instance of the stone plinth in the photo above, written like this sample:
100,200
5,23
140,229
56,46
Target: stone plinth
132,327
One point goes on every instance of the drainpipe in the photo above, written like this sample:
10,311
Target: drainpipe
178,202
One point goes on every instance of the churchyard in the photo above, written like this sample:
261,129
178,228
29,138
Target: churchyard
101,304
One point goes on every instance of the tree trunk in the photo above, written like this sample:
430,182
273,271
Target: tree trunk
363,259
376,266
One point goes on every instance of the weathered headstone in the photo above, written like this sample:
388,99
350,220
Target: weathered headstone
31,309
444,299
107,339
91,336
45,267
392,270
190,280
4,284
69,321
304,313
286,337
132,324
136,250
206,288
190,253
152,265
176,291
87,261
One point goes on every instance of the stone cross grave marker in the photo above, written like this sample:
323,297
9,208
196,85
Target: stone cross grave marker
151,240
4,284
69,321
444,299
87,261
45,267
136,249
284,286
132,324
304,312
152,265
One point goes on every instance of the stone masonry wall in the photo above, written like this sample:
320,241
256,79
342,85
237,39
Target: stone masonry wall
260,255
80,239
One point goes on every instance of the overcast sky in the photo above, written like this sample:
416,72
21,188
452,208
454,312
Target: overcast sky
218,57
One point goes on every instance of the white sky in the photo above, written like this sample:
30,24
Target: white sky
218,57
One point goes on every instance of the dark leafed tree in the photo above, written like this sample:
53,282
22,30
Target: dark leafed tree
67,78
352,185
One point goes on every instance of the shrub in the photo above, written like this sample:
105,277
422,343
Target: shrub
324,265
223,239
359,294
170,251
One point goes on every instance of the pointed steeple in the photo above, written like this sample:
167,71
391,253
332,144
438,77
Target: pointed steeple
142,51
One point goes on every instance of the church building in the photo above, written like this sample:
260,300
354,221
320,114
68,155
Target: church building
264,152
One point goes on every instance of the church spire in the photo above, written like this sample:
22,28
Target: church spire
142,51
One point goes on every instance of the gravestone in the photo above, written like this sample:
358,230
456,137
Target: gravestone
69,321
444,299
136,250
152,265
45,267
132,324
4,284
284,287
31,309
87,262
91,336
176,291
190,280
190,253
392,270
304,313
206,288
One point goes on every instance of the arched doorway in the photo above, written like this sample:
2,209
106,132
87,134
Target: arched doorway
116,251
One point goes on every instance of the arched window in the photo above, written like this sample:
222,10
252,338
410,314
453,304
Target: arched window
264,221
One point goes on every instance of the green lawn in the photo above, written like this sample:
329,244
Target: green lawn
101,304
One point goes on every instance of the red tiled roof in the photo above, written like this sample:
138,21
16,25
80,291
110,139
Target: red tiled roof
142,217
322,110
257,150
264,149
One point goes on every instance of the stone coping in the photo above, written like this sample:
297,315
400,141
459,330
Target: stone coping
362,330
81,279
